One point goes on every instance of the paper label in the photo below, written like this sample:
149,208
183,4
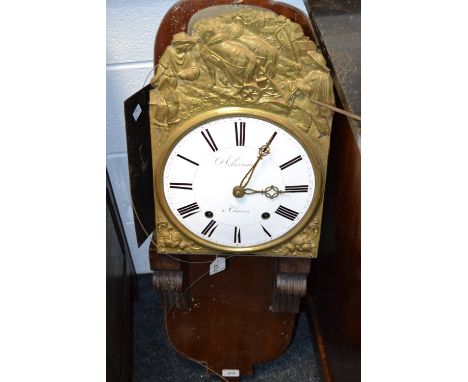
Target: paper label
218,265
230,373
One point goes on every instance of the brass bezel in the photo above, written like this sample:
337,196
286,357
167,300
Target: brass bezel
194,122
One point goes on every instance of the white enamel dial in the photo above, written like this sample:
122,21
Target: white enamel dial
206,164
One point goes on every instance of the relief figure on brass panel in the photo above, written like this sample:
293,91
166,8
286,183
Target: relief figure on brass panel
302,243
176,63
249,58
242,63
230,63
169,238
317,85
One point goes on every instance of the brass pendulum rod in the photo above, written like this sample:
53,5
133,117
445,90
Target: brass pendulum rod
338,110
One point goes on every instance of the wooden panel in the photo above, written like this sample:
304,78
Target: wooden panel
335,281
229,322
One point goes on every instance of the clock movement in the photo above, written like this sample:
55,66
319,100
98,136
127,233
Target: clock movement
228,156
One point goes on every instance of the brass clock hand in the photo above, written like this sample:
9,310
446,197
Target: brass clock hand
263,151
270,192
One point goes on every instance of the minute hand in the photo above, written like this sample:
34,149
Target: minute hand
262,152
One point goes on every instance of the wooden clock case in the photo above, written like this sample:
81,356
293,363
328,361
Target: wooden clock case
247,313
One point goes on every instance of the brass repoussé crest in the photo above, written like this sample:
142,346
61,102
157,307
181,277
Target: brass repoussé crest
252,59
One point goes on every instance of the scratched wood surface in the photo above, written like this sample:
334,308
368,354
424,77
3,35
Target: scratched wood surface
229,323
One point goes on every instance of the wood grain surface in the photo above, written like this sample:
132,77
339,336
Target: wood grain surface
229,323
335,278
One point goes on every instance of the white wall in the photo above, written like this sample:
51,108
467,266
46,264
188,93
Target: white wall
131,30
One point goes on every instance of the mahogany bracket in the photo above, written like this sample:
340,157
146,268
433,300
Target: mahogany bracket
168,278
290,284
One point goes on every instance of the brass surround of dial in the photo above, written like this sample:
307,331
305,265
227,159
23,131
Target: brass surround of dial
219,113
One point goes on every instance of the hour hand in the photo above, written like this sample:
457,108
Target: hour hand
270,192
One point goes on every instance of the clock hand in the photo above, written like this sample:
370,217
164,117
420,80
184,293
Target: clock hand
270,192
263,151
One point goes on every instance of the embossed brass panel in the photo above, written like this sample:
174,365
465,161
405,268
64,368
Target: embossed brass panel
247,62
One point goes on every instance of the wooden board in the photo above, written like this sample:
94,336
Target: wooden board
228,322
336,273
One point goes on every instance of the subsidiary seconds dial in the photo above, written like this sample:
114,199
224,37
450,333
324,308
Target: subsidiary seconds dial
238,182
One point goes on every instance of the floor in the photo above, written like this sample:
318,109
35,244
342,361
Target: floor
155,360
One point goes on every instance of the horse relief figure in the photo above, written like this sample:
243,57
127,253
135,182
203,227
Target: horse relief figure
255,57
267,55
234,60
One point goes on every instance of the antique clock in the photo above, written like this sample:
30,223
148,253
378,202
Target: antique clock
238,180
228,154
